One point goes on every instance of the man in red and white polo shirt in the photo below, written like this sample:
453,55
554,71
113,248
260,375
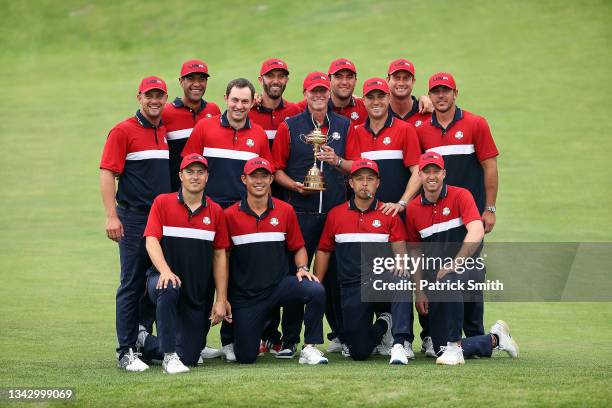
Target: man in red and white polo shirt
183,113
403,105
186,238
135,153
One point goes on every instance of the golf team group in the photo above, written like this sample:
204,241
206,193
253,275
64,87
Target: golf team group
238,218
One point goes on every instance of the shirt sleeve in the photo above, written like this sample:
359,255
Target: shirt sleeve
301,105
467,207
352,150
155,223
398,230
483,141
221,235
280,147
411,231
195,142
327,242
214,109
115,151
412,148
295,240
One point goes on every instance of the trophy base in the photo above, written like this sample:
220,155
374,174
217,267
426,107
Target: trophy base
314,188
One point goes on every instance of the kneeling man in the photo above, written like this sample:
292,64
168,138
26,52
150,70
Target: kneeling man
263,231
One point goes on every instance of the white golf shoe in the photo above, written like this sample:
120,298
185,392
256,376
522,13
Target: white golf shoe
335,346
173,365
427,347
131,362
409,352
387,341
452,354
209,352
312,355
228,353
506,342
398,355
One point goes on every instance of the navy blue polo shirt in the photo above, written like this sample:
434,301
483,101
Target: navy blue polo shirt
227,150
188,239
347,228
260,248
394,148
464,144
137,152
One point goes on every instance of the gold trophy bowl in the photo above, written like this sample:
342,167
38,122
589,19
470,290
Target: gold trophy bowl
314,178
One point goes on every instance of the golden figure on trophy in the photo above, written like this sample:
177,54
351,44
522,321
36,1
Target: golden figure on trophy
314,178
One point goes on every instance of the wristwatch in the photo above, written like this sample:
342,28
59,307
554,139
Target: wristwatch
298,268
402,203
491,209
339,164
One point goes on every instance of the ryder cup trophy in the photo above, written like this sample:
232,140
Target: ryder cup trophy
314,177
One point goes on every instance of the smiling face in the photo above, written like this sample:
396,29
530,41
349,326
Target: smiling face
194,178
194,86
364,183
274,83
376,103
258,182
152,102
343,83
400,84
239,102
443,98
317,98
432,177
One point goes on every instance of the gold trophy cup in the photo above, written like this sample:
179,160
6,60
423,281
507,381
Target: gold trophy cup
314,178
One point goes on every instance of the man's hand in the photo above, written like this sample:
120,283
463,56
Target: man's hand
303,273
422,303
166,277
228,312
392,208
217,314
257,99
327,155
425,105
488,221
114,228
299,188
443,272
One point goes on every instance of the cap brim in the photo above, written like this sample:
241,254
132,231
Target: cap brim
195,72
441,84
313,86
151,88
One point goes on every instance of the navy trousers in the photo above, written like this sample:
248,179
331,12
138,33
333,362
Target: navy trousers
446,322
134,265
473,306
181,328
360,334
248,321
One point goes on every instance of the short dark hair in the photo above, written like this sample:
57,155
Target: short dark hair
240,83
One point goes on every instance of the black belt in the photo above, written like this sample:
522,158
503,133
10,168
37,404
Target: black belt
134,208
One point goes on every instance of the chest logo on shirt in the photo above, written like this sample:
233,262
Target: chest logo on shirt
446,211
418,123
274,221
250,142
387,140
206,220
459,135
208,115
376,223
354,115
336,136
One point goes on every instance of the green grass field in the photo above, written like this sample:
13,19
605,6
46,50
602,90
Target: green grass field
538,71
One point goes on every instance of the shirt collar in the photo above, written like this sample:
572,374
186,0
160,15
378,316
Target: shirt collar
331,106
178,103
325,121
261,108
225,122
443,193
144,122
181,200
415,109
244,206
458,116
388,124
352,206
